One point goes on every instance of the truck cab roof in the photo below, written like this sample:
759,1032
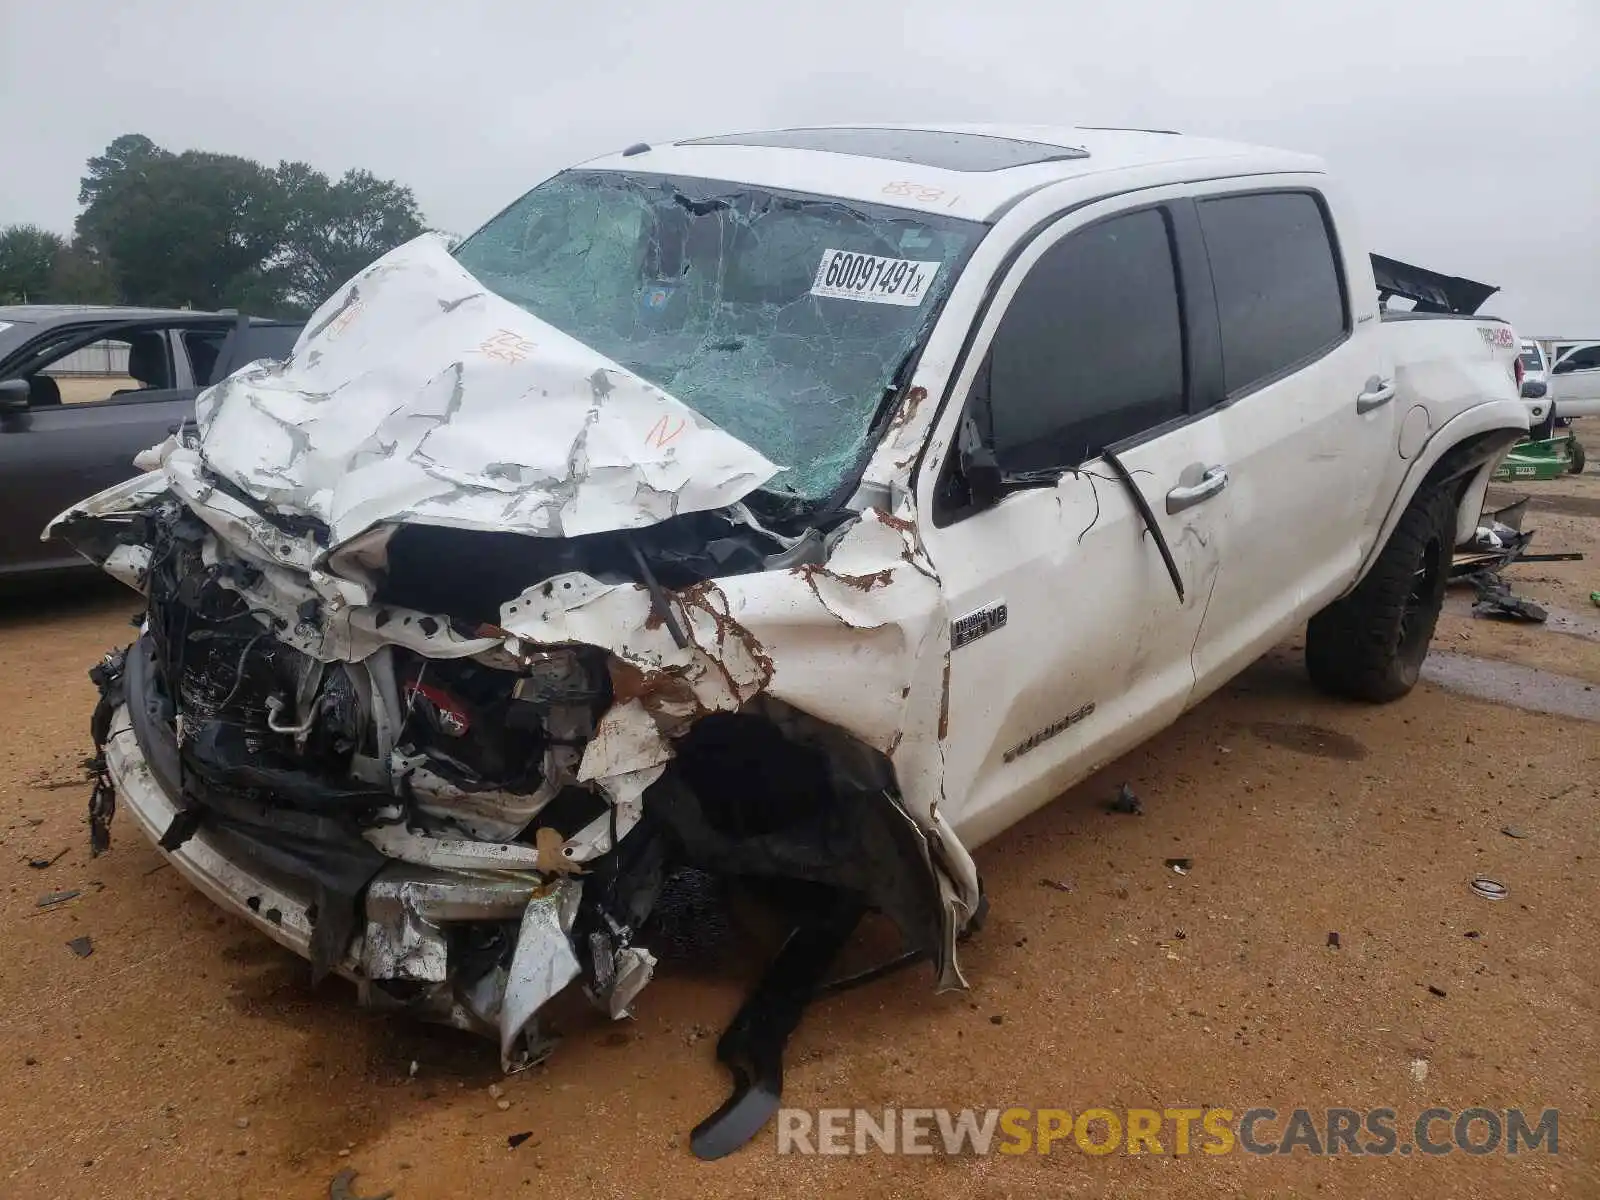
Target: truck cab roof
58,314
963,170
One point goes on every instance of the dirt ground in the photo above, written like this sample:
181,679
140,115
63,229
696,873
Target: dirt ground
188,1057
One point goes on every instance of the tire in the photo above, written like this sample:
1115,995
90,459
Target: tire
1370,644
1578,458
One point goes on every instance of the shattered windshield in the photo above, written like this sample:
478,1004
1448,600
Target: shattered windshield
784,319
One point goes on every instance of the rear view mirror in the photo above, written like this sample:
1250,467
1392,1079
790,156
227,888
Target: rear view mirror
14,395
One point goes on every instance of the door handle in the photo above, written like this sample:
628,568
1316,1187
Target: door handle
1379,391
1188,495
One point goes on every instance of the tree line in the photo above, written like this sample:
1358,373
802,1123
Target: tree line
201,230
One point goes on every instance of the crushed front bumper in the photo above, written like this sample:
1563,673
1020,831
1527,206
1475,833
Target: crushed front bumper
277,907
405,951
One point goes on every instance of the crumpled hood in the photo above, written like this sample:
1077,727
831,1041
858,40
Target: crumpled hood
414,394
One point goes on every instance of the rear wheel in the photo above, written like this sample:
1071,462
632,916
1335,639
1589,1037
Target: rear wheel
1370,644
1578,458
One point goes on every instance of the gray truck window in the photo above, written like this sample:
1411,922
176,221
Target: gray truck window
1090,350
1583,360
1279,297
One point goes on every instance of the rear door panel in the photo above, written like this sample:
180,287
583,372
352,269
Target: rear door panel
1310,423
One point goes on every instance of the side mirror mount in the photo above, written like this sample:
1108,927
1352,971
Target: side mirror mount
980,470
14,395
1534,389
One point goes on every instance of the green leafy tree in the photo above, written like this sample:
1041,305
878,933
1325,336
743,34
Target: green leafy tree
78,277
332,230
28,257
38,266
216,230
190,229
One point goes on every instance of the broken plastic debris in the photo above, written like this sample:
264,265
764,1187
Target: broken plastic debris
1489,889
1181,866
54,898
1333,940
1125,802
1496,599
1513,831
339,1186
81,946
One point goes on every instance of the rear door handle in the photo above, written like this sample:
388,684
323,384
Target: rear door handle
1379,391
1188,495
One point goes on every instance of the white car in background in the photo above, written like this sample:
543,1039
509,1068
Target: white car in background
1575,379
1536,387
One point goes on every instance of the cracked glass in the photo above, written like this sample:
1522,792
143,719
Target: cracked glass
787,320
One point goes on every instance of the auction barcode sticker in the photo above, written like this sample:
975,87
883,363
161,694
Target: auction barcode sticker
846,275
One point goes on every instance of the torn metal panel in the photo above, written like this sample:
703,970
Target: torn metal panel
407,911
415,395
542,964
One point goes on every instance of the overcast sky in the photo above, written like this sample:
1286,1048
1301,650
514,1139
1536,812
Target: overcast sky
1467,130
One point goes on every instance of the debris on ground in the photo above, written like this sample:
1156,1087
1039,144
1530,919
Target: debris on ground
1594,598
1497,543
1513,831
1489,889
1496,599
1181,866
39,864
1126,802
513,1140
1059,885
1436,991
339,1188
1419,1070
50,899
81,946
1333,940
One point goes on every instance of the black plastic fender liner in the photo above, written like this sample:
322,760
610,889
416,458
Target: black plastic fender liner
753,1044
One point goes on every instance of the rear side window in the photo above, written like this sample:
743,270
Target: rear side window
1090,350
1583,360
268,341
1279,298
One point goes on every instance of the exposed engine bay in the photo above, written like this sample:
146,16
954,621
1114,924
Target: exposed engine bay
473,764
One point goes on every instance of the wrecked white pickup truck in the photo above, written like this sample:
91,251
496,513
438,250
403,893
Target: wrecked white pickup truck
805,506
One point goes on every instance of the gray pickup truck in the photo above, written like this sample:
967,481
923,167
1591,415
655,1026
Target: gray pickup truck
65,434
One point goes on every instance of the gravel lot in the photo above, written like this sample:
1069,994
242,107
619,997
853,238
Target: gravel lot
187,1056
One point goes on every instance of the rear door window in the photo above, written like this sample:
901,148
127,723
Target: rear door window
268,341
1090,350
1280,294
1582,360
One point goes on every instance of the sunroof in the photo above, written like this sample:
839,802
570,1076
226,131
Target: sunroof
920,147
